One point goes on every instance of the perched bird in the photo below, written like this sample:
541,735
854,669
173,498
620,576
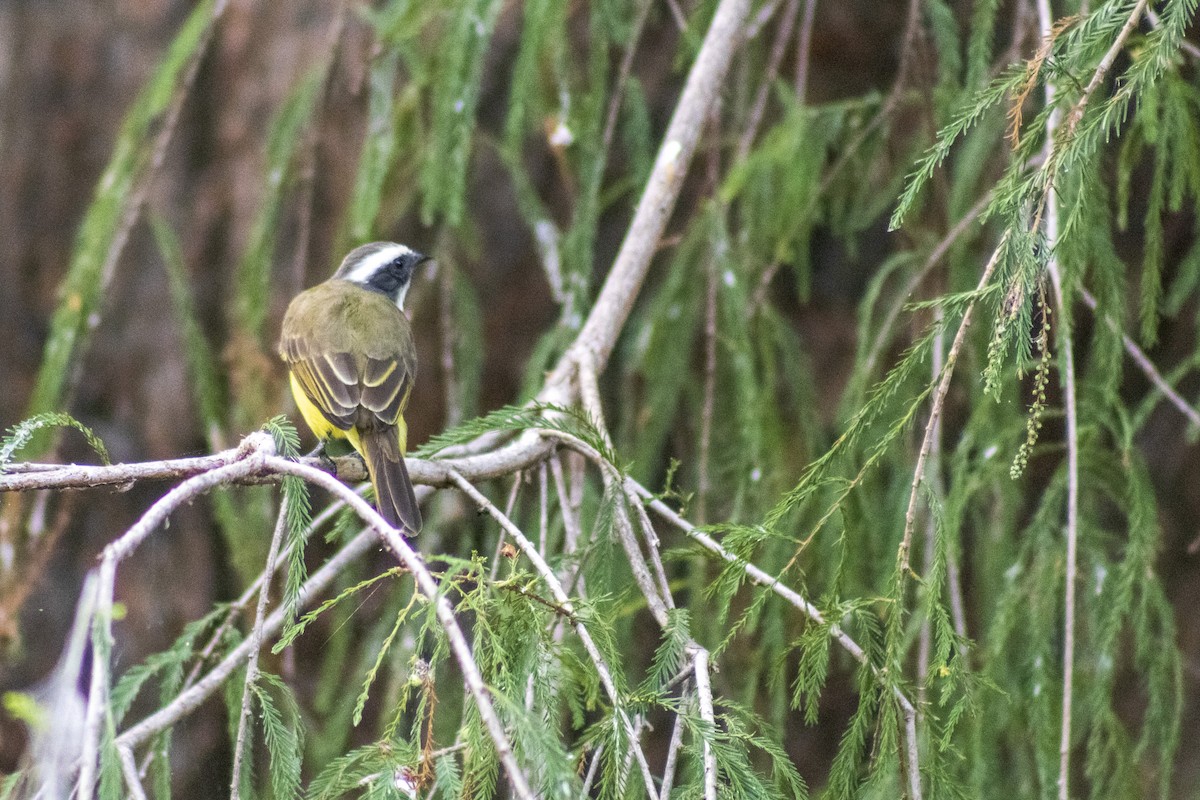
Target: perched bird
349,349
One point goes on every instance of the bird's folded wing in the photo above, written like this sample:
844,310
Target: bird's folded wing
344,386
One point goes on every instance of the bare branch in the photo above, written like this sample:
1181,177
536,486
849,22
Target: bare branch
130,771
612,307
673,752
803,48
778,50
658,602
497,463
1146,365
705,698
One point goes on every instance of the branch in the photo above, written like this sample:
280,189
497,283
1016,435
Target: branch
673,752
771,74
935,411
129,769
615,302
1045,24
658,598
256,638
705,698
496,463
1146,365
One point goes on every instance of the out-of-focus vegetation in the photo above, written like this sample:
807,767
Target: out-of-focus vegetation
171,174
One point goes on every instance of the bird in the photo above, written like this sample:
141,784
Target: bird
352,362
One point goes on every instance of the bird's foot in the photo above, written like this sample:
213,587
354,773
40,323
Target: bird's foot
327,463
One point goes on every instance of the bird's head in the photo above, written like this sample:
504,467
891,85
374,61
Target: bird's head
384,267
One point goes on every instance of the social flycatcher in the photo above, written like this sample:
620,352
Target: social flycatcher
349,349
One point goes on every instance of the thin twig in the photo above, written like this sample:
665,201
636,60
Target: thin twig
1145,364
627,765
654,548
1060,127
678,15
756,24
933,477
759,107
673,748
593,768
708,405
543,509
1110,56
129,769
804,49
657,602
256,638
1045,25
933,260
623,72
572,530
508,510
935,411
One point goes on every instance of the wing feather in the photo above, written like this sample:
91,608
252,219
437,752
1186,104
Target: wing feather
357,377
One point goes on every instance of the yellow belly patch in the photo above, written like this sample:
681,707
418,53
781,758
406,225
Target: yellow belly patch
323,429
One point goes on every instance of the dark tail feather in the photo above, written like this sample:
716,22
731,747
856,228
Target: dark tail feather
393,489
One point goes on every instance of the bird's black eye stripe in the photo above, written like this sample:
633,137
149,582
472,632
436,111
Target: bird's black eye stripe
389,278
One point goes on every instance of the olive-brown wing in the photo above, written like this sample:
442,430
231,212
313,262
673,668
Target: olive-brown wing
350,390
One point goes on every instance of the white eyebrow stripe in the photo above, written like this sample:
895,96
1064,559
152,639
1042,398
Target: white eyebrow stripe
370,265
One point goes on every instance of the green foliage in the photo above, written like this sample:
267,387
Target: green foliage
203,367
298,509
100,235
720,395
456,70
283,734
373,766
19,436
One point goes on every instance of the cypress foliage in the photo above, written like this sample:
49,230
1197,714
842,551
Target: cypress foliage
949,585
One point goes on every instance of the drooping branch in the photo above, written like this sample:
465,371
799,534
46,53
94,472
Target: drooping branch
615,302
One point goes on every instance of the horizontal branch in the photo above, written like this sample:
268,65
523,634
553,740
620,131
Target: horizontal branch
350,469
